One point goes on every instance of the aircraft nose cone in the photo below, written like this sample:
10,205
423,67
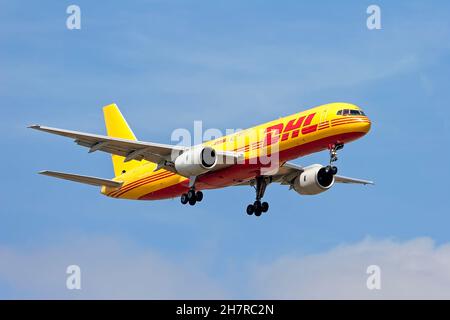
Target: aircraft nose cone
365,126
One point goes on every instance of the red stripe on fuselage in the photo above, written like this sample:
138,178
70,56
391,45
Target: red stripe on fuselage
127,186
346,118
142,182
349,122
146,182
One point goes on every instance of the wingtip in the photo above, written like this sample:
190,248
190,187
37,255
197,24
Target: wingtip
43,172
34,126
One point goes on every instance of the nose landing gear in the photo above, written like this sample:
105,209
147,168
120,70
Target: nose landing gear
259,207
334,148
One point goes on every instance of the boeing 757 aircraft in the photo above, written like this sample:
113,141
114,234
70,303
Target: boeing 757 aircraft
253,157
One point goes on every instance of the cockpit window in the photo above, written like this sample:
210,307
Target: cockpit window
352,112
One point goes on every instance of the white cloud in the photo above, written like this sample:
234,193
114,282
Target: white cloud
416,269
109,270
410,270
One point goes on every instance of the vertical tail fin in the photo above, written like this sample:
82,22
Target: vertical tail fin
117,127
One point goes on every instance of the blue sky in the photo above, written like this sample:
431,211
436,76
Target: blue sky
231,64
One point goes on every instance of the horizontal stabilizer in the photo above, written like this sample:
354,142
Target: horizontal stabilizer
93,181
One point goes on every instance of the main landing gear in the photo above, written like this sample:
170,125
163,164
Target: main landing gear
334,148
192,197
257,207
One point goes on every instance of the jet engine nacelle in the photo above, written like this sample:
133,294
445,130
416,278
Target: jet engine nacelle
196,161
314,179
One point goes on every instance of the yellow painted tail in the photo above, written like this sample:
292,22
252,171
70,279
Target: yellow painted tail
117,127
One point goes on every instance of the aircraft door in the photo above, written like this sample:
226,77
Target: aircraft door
324,116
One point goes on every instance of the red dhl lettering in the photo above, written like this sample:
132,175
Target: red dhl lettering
293,126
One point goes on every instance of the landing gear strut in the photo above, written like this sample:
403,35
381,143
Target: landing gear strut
334,148
192,197
257,207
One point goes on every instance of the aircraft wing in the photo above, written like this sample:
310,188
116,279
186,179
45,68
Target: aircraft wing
342,179
288,172
130,149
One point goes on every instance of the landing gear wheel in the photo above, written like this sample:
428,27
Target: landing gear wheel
258,208
192,201
199,196
331,169
250,209
264,207
184,198
191,194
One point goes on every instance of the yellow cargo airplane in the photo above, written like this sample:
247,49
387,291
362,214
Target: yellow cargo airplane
255,157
